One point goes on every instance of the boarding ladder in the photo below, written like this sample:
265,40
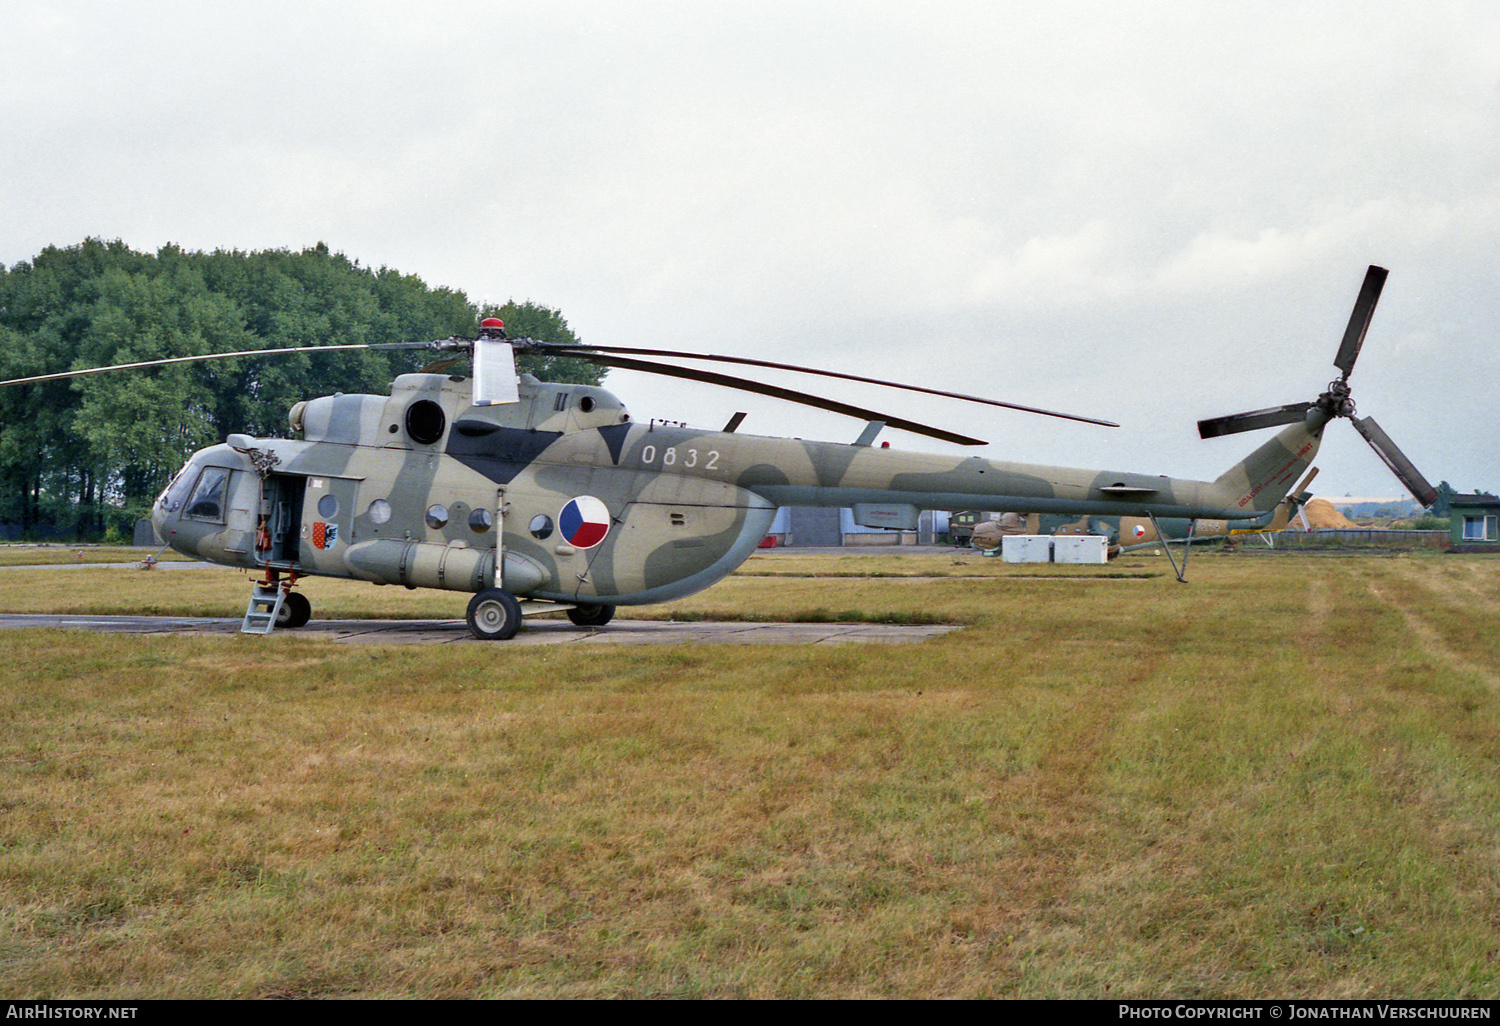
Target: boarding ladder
264,608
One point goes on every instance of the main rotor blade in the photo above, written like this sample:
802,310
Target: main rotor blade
1394,458
1237,422
212,356
746,385
1359,320
582,351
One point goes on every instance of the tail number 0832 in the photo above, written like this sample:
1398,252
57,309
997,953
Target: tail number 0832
671,456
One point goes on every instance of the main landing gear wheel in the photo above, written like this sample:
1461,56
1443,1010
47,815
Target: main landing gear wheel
591,616
494,615
296,610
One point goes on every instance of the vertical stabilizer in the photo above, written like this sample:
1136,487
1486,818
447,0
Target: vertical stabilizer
1262,479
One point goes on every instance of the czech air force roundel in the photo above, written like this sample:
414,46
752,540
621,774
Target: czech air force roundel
584,522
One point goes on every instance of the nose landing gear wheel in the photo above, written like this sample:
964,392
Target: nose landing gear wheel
296,610
494,615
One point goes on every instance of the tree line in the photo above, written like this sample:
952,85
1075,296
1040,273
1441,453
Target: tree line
85,457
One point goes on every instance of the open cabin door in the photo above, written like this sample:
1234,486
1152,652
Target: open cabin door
280,522
305,521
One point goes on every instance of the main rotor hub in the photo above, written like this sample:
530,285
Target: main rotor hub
1338,400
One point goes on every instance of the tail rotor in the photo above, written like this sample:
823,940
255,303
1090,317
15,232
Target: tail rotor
1338,401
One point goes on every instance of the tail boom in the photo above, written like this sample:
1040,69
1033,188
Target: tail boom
796,473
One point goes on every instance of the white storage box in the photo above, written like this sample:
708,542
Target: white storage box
1080,548
1026,548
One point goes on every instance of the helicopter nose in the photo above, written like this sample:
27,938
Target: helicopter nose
167,509
159,518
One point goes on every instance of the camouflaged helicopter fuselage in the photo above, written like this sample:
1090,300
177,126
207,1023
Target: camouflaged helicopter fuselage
584,505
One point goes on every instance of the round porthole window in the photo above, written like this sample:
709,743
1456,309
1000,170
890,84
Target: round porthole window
380,511
480,521
540,527
437,516
328,507
425,421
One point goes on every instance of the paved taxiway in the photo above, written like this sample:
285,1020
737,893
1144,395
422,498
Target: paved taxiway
536,632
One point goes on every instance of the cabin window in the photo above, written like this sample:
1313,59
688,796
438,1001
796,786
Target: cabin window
207,500
380,511
328,507
480,521
437,516
541,527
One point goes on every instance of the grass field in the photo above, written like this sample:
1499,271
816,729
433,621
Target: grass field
1279,779
56,555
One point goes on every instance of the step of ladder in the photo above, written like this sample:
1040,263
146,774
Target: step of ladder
264,607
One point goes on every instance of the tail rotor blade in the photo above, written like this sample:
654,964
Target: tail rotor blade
1299,494
1394,458
1237,422
1359,320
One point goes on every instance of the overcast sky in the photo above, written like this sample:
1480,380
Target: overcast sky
1147,212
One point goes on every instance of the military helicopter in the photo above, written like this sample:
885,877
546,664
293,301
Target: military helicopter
539,497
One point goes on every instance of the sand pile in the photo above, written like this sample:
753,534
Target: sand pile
1321,516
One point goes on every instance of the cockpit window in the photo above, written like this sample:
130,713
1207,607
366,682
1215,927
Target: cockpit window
174,493
207,500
